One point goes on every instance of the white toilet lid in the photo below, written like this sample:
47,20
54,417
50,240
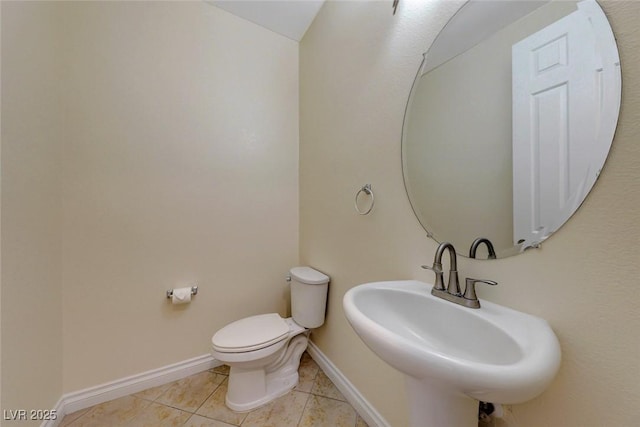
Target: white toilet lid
250,333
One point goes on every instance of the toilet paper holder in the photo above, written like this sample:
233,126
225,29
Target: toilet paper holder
194,291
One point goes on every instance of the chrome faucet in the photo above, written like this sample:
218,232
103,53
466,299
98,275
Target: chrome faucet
452,292
478,242
453,286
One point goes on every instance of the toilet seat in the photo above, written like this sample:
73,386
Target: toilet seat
251,333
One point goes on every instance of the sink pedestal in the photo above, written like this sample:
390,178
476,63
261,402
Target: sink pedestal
434,405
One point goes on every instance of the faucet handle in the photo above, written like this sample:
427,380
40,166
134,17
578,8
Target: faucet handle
437,269
470,287
434,268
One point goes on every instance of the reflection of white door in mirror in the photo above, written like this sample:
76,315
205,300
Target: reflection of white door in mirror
458,151
556,105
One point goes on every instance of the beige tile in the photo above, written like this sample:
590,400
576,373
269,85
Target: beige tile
215,408
153,393
156,415
222,369
323,412
360,422
189,393
198,421
116,412
68,419
322,386
307,372
282,412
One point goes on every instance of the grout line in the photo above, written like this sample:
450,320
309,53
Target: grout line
309,394
74,421
205,400
332,398
212,392
304,408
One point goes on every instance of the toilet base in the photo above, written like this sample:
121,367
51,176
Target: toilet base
250,400
251,388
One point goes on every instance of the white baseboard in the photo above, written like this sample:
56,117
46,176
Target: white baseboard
353,396
75,401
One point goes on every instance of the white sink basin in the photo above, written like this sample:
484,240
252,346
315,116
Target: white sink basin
453,354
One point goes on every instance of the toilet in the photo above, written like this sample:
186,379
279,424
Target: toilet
264,351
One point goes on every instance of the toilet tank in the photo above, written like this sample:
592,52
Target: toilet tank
308,296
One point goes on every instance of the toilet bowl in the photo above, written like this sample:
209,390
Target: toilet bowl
264,351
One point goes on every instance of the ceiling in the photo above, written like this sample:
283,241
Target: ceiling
289,18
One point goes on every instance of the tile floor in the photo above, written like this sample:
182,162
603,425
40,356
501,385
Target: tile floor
198,401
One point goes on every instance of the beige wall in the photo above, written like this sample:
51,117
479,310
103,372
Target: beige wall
32,137
180,165
0,211
357,65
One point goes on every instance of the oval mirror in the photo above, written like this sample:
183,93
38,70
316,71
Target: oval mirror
509,122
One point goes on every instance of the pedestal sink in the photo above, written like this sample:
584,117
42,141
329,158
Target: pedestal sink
453,356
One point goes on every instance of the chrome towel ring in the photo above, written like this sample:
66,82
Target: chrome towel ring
366,189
